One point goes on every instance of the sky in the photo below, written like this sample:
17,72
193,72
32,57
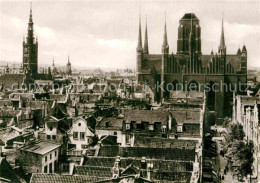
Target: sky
104,33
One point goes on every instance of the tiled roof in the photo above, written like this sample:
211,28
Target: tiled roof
8,134
9,80
158,153
150,116
183,116
114,123
100,161
93,171
141,141
56,178
108,151
40,147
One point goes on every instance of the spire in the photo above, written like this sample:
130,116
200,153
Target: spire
139,45
30,37
30,19
53,62
222,45
165,46
146,49
68,59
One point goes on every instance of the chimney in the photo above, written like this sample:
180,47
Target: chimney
149,170
116,168
143,163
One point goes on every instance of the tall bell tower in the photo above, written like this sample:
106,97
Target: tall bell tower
30,49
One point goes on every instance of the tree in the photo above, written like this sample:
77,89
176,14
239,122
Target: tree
239,152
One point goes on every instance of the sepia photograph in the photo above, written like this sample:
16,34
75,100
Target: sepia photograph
129,91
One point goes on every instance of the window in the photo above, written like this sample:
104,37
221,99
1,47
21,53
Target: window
84,146
55,153
127,126
108,124
48,137
50,156
82,135
75,135
45,169
54,137
51,128
127,139
50,168
115,133
45,158
79,124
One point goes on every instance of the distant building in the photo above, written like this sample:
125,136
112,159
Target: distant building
68,69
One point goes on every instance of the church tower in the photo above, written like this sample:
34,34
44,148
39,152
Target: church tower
244,60
184,30
30,49
69,72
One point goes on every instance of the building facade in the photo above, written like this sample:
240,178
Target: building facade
190,68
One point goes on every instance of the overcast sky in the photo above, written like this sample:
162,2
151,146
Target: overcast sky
104,33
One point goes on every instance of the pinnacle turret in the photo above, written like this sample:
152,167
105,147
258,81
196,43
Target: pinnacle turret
165,46
222,46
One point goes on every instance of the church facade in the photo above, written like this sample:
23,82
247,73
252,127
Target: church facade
220,73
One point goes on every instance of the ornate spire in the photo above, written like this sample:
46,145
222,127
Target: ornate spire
165,46
30,37
222,45
146,49
30,19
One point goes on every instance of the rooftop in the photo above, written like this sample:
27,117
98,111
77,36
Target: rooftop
40,147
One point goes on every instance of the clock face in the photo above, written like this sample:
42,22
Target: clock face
25,50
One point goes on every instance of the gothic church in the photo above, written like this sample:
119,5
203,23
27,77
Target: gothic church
190,66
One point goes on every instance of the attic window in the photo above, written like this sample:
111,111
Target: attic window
51,128
79,124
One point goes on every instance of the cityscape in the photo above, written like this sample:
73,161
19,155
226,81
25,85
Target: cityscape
129,113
